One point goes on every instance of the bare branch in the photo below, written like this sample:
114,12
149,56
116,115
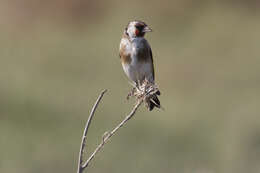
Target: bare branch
83,141
142,94
108,135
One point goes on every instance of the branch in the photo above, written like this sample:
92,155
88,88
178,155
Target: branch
83,141
106,136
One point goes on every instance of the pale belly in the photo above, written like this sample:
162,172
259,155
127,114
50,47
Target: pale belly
137,72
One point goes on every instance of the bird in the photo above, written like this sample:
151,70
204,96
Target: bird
136,57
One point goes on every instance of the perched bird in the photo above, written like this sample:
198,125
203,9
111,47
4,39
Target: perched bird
136,57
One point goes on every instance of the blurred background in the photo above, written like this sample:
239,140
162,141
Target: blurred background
57,56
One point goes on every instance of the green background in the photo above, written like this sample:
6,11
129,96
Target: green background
57,56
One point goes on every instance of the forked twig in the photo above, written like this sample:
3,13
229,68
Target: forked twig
143,93
106,136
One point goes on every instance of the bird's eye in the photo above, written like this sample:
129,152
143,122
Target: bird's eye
140,27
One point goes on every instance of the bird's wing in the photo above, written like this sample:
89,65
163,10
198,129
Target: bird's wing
151,55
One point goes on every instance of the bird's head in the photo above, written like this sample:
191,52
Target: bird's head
136,29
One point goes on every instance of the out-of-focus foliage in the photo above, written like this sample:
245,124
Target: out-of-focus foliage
56,56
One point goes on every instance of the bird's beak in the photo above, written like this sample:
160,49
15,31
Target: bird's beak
147,29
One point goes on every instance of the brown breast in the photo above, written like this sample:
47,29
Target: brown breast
123,54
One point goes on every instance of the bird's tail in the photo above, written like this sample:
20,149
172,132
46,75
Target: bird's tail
154,101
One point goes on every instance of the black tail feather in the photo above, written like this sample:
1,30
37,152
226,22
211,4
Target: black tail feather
154,102
151,106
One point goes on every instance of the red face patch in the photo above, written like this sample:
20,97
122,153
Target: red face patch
137,32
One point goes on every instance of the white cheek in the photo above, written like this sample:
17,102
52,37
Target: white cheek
131,31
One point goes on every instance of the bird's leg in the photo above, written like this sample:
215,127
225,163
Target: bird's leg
138,83
145,83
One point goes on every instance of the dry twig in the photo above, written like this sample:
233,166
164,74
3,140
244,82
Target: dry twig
141,94
83,141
